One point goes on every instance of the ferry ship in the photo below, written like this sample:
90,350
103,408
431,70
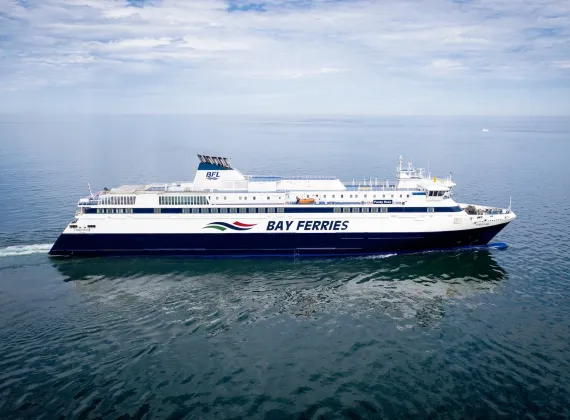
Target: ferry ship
224,213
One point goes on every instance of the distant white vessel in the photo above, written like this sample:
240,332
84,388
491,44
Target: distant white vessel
484,130
224,213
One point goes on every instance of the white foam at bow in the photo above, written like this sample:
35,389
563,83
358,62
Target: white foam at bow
12,251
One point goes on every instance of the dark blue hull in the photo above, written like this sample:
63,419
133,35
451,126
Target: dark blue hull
268,244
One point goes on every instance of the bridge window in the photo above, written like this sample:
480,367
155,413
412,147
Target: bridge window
374,210
233,210
251,210
223,210
430,209
365,210
384,210
243,210
157,210
346,210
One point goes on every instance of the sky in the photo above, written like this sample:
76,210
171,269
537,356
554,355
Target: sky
313,57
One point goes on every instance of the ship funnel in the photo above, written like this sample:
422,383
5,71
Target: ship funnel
217,173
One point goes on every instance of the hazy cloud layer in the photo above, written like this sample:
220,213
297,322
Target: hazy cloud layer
278,56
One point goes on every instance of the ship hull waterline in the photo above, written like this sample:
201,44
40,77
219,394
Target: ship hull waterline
256,245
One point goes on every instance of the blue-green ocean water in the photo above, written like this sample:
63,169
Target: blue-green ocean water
481,334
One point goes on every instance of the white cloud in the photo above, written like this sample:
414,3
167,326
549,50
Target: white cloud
345,48
137,44
447,65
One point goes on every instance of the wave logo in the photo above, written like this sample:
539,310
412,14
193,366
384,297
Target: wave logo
222,226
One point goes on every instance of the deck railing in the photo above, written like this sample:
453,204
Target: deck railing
272,178
475,209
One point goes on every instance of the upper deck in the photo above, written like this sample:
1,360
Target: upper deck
217,178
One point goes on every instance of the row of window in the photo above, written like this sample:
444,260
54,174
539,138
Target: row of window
224,210
185,200
118,200
182,200
324,196
384,209
113,211
398,209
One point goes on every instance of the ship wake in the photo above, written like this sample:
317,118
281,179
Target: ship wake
17,250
